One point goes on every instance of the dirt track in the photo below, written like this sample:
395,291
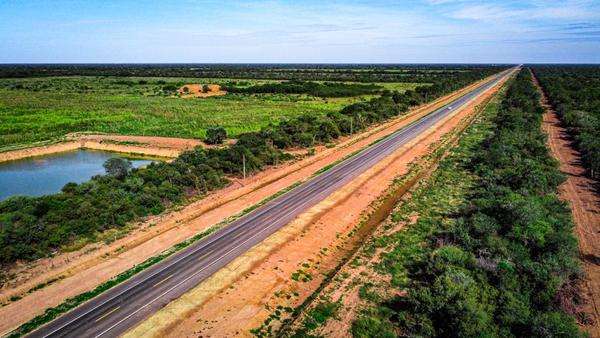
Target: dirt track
579,191
95,263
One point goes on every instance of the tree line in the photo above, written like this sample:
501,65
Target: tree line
574,91
496,270
327,89
34,227
352,73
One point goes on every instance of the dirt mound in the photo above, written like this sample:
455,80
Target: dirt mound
201,90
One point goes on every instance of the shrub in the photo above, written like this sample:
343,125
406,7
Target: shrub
215,135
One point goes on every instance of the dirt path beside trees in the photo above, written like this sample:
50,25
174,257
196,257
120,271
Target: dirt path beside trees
581,193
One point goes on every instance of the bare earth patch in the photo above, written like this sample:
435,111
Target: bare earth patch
84,269
580,192
198,90
284,270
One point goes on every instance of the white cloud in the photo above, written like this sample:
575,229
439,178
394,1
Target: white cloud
525,11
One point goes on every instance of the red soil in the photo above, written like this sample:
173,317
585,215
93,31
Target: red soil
195,90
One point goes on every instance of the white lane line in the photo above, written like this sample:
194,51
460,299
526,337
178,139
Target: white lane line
162,281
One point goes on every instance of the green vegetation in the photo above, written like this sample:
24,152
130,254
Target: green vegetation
305,72
493,244
71,303
325,89
36,109
144,100
35,227
575,94
215,135
117,167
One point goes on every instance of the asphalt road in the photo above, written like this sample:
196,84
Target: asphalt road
113,312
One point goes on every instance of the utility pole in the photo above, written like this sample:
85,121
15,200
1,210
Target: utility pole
351,125
244,164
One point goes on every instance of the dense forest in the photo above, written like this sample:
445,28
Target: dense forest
497,268
33,227
327,89
359,73
575,94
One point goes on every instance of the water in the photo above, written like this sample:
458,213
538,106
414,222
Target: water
44,175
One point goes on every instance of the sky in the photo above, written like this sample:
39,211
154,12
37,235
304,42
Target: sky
194,31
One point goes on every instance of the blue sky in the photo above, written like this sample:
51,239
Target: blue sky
300,31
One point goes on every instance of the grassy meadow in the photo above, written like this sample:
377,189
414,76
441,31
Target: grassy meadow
37,109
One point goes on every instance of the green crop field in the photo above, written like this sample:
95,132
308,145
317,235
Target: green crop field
36,109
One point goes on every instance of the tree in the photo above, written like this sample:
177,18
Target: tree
117,167
215,135
205,89
186,89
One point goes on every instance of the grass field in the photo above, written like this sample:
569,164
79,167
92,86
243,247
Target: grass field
36,109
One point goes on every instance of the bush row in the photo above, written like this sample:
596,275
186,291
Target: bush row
327,89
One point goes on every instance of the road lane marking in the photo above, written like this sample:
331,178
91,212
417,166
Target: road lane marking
204,255
162,281
238,235
107,314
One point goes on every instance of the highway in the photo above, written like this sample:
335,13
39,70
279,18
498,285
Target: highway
118,309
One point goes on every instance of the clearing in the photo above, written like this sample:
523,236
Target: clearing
199,90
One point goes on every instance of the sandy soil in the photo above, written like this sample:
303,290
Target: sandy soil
84,269
195,90
579,191
143,145
175,143
243,295
38,151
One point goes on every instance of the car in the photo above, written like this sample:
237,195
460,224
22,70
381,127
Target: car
449,108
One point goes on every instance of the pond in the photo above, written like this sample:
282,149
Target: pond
44,175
